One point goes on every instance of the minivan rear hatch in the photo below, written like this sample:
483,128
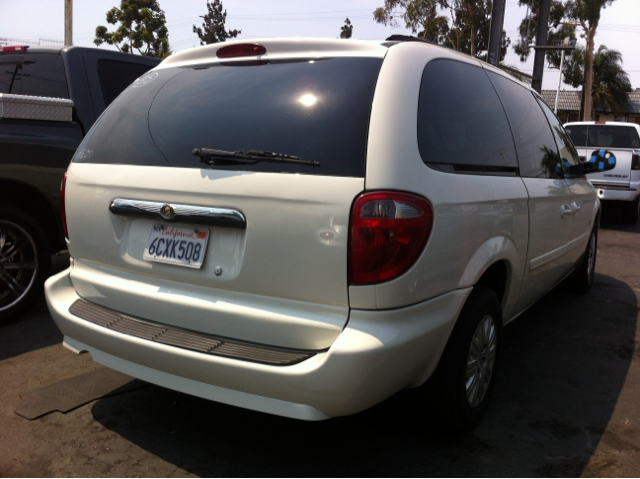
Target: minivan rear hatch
273,268
619,140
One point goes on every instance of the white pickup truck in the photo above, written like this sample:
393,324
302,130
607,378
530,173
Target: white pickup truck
622,184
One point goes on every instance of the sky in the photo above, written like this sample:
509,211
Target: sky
33,19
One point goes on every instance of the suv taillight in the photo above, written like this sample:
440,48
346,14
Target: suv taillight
388,232
635,161
63,187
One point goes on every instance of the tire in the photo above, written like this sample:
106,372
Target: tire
25,261
461,395
631,211
582,278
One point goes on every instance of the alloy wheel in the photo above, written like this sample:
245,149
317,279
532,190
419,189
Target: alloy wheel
481,360
18,264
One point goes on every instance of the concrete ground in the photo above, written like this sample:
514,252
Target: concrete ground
566,404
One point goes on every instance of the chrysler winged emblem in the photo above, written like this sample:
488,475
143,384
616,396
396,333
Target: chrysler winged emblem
167,212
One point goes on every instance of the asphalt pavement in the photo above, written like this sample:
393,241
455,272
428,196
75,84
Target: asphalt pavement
566,404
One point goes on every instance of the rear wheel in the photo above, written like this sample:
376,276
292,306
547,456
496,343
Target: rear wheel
24,261
463,382
631,211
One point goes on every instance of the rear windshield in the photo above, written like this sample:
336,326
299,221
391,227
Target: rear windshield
604,136
313,109
37,74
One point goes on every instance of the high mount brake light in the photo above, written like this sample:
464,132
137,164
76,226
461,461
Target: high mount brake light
63,188
389,231
14,48
241,50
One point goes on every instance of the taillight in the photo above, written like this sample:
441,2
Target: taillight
388,232
63,187
241,50
14,48
635,161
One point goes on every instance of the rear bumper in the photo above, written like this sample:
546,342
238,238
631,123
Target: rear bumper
376,355
617,193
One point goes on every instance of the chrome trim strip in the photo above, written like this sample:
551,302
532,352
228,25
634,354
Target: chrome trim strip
202,215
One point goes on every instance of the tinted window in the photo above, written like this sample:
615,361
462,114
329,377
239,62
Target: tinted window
612,136
317,110
10,68
537,151
578,134
121,134
115,76
568,153
38,74
461,123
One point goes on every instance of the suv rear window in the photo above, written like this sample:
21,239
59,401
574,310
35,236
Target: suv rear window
314,109
604,136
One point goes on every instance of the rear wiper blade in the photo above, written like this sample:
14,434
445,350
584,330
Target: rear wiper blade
249,157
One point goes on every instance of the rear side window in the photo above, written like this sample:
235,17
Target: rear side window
578,134
612,136
537,151
462,125
115,76
37,74
313,109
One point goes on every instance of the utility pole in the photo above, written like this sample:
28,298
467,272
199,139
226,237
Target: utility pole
568,42
68,22
541,42
495,35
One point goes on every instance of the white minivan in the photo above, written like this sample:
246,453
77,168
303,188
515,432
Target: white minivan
305,227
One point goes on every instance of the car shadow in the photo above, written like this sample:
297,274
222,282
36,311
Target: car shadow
563,367
35,329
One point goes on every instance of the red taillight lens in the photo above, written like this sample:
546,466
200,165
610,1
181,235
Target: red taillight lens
63,187
14,48
388,232
241,50
635,162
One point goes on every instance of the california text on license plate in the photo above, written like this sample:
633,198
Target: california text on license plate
179,246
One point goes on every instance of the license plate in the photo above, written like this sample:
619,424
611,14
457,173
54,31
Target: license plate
179,246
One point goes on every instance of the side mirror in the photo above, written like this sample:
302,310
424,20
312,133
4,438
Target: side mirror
600,160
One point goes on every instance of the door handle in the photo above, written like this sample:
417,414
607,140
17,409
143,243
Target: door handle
565,210
575,208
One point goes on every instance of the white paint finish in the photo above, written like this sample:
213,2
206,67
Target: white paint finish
220,312
199,389
585,197
292,220
289,48
549,235
469,210
377,354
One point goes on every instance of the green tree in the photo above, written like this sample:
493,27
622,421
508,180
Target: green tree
558,30
587,14
466,29
347,29
213,27
610,82
142,27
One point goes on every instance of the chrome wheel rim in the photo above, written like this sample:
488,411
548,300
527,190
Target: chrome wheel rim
481,360
591,256
18,264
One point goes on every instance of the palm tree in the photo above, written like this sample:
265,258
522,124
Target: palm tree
610,82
